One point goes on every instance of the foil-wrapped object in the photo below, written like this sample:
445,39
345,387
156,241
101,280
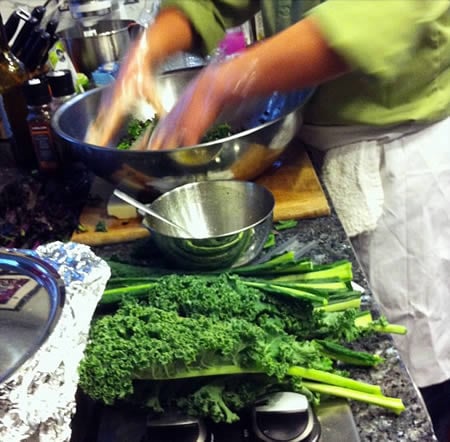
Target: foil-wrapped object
37,403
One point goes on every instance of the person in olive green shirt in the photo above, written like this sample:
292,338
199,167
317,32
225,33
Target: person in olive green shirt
381,114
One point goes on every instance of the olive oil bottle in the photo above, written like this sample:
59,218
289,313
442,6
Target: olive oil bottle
12,71
12,77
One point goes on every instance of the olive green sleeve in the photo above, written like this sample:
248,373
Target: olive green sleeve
377,36
210,18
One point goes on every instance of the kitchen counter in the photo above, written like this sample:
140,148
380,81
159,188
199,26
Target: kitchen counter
330,244
373,423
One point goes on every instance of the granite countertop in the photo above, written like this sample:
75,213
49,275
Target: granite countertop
330,244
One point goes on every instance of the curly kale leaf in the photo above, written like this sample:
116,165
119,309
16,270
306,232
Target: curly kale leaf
135,129
145,342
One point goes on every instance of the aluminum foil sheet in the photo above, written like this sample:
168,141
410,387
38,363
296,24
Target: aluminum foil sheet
37,403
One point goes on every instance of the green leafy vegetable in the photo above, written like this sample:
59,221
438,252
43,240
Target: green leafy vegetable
211,344
347,355
136,128
101,226
285,224
270,241
217,132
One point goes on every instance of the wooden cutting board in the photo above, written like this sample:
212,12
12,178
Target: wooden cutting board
292,180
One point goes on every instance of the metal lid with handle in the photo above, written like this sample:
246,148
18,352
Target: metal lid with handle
32,296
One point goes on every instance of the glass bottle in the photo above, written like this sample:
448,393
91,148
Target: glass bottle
39,117
12,71
12,76
61,87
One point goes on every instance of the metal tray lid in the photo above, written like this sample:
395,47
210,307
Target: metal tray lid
32,295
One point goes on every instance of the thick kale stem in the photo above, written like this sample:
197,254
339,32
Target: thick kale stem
193,373
365,321
114,296
390,403
333,379
340,306
129,289
268,266
286,291
391,328
296,371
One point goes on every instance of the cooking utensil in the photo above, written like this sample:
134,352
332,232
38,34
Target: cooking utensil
13,22
36,49
231,221
106,41
23,36
31,299
263,129
127,198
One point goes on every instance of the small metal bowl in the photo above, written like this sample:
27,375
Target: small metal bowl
229,220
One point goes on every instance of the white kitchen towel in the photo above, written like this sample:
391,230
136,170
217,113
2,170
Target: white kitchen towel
352,176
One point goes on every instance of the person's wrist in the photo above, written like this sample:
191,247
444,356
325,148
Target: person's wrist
170,33
235,80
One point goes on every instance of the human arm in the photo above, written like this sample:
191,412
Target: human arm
210,18
170,33
274,64
379,40
179,26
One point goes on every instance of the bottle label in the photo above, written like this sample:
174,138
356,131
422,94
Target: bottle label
44,145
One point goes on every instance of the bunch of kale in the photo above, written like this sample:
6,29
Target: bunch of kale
210,345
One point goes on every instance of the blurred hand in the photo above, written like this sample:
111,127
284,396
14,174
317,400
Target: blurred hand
135,82
216,87
194,112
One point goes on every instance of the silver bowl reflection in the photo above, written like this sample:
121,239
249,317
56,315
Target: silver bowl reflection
106,41
231,221
262,130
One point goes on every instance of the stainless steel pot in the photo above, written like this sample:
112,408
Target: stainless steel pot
106,41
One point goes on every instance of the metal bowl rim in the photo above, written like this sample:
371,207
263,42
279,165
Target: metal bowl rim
61,110
64,33
266,193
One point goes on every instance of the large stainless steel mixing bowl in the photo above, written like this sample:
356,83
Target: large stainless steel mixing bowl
263,128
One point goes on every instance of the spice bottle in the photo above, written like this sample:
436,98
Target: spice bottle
61,87
39,116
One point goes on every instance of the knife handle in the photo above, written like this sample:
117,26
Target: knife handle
12,24
51,26
23,36
36,51
38,12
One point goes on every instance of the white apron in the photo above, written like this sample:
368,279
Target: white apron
391,191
